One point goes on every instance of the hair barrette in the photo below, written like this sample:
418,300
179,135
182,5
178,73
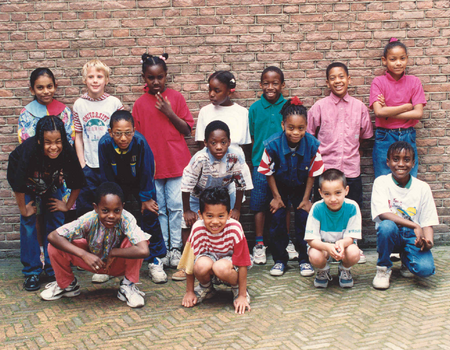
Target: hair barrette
142,61
162,58
146,88
232,90
232,81
393,40
296,101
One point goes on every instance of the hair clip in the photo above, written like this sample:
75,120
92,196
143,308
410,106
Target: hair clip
296,101
393,40
232,81
232,90
142,61
146,88
162,58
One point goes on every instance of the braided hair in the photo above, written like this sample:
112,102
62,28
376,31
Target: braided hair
293,106
225,77
150,60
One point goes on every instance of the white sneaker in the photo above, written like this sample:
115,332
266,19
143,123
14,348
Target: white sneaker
381,279
405,272
166,259
203,293
131,294
175,256
100,278
362,257
156,272
322,278
259,254
53,292
293,254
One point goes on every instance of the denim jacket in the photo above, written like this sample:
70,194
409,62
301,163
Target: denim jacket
291,169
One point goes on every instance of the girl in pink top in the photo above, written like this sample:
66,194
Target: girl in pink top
162,116
397,100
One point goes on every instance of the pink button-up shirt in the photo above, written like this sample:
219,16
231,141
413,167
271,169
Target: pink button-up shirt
340,123
408,89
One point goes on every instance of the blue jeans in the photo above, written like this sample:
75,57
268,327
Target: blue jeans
30,252
391,238
168,192
278,233
386,137
87,193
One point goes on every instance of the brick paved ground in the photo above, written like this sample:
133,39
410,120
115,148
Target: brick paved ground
287,313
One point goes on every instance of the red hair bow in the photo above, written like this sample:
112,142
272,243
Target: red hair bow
296,101
393,39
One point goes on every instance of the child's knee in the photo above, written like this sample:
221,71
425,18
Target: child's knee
317,258
423,267
352,254
203,266
222,268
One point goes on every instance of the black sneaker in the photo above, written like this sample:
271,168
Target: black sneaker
31,283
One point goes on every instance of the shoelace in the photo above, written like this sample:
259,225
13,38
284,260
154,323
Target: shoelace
345,274
135,289
50,285
322,274
278,266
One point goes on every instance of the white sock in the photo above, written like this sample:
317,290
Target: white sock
126,281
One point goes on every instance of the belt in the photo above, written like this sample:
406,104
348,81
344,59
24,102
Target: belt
396,129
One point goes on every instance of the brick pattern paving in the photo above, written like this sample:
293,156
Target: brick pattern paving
287,313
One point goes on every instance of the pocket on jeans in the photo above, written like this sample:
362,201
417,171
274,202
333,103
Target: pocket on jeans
380,135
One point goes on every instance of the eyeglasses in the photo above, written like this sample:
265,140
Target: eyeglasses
126,133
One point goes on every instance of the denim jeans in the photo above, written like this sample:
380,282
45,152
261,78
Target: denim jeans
30,252
391,238
386,137
168,193
87,193
278,233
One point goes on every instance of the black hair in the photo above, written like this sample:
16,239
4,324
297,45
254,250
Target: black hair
393,42
215,195
38,72
121,115
225,77
334,65
216,125
150,60
275,70
400,146
108,188
290,108
332,175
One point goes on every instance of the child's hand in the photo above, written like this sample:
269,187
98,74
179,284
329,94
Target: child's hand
339,247
240,304
276,204
189,299
93,261
236,214
333,252
163,104
150,205
305,205
57,205
189,217
427,244
109,263
381,100
419,237
30,209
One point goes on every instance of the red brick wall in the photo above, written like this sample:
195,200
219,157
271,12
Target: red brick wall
244,36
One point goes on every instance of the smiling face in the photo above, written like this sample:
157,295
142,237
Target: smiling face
400,162
122,133
218,143
215,217
338,81
52,144
333,194
155,77
271,86
395,61
109,210
44,89
295,128
219,93
95,81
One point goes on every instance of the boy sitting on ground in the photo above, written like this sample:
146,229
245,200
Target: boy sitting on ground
333,224
105,241
216,248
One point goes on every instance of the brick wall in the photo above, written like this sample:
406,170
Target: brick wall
243,36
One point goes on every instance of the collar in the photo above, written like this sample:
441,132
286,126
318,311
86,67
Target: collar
408,184
337,99
390,78
285,147
89,98
267,104
38,110
118,150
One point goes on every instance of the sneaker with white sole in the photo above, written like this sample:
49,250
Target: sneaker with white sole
306,270
345,277
236,294
322,278
156,271
362,257
404,271
131,294
293,254
180,275
278,269
395,257
175,256
100,278
259,254
203,293
166,260
381,279
53,292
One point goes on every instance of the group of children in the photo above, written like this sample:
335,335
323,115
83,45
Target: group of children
195,201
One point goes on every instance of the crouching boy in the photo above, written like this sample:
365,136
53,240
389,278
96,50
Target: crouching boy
106,241
216,248
333,224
